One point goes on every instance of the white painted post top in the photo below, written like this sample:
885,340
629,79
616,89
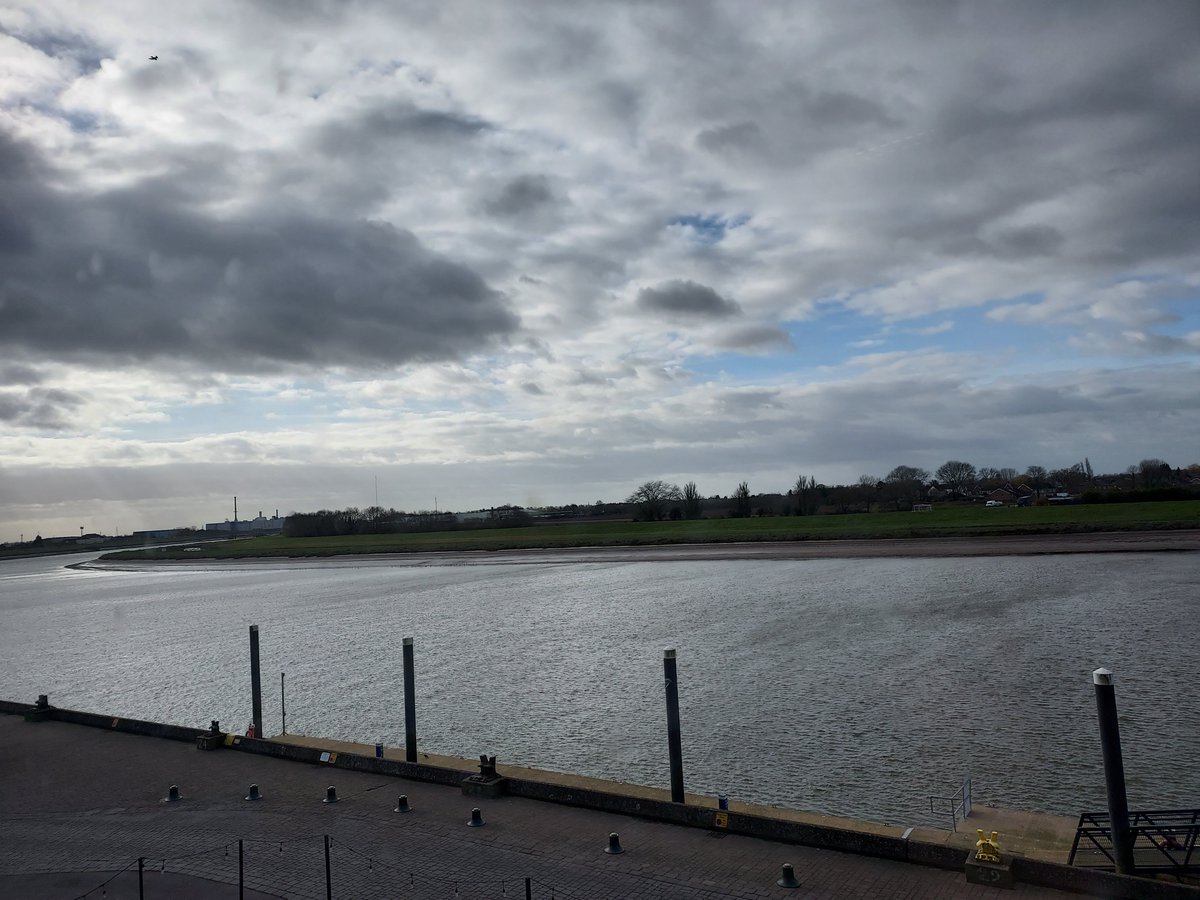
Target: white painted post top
668,654
1102,676
408,642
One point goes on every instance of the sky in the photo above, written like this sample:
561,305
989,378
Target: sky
462,254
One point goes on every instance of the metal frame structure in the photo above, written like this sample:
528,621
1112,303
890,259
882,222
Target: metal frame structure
1163,841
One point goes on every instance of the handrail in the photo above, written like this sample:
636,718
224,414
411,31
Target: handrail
959,805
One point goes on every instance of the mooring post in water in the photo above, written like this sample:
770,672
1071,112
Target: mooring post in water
282,702
673,738
1114,771
255,682
410,703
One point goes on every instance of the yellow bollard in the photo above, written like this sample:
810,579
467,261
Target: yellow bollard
987,849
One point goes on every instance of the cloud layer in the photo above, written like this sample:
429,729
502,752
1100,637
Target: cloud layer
561,248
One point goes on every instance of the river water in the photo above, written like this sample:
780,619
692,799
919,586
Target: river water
855,687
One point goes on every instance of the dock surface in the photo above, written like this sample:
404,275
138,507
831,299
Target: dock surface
79,804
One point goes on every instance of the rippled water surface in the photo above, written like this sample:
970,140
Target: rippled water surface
858,687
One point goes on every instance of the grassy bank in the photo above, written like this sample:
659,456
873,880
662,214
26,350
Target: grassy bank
948,522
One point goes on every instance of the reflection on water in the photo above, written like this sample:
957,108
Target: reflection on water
858,687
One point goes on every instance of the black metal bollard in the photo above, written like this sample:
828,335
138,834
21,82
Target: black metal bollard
787,877
1114,771
328,872
402,804
173,795
476,818
254,794
255,683
330,795
410,703
674,741
614,844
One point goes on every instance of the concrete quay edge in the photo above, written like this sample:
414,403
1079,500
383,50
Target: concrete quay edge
770,823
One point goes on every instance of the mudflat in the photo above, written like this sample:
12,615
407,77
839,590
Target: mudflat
1183,540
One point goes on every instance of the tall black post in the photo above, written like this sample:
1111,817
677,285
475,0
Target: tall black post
283,702
255,682
141,886
328,874
1114,771
673,738
241,872
410,703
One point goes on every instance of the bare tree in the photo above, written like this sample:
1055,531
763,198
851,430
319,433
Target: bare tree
691,501
868,489
1037,477
741,501
652,498
904,484
957,475
1154,473
805,494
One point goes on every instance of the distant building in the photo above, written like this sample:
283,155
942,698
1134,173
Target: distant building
258,525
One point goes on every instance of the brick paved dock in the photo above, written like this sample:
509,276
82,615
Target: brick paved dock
78,804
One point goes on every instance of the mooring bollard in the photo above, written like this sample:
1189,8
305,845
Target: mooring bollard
1114,771
255,684
410,703
614,844
788,877
330,795
675,743
379,749
476,818
722,802
254,794
402,804
173,795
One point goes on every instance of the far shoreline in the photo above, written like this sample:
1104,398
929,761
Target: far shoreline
1183,540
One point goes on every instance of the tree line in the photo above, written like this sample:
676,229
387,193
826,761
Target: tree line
377,520
903,486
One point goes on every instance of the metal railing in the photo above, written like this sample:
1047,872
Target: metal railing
957,806
314,866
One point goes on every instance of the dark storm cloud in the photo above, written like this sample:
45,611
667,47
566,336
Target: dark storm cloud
1031,240
39,408
1098,130
686,298
754,337
146,272
524,194
15,373
735,137
365,132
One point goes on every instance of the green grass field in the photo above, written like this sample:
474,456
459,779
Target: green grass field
947,522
